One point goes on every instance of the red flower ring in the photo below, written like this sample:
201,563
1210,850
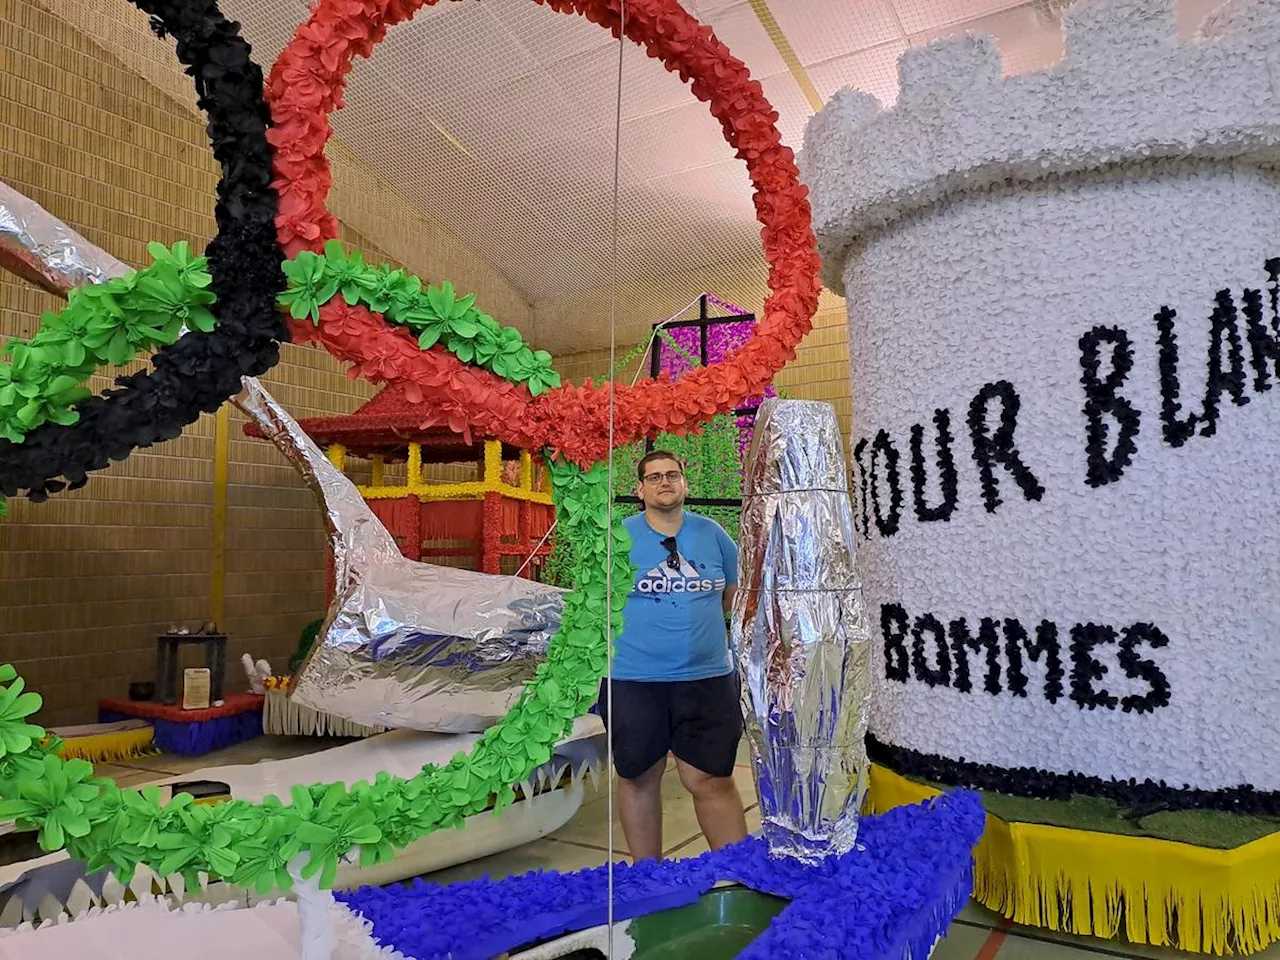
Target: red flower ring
306,85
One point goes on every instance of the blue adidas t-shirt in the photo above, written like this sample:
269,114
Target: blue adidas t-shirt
673,625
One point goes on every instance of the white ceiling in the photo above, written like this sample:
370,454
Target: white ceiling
497,118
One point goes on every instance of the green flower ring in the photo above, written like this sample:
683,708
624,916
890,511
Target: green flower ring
257,845
251,845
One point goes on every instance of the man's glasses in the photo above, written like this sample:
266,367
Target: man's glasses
671,476
673,552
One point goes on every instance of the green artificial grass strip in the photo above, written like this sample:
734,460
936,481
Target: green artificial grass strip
1215,829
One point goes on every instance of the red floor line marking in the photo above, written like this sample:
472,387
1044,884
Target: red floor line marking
995,940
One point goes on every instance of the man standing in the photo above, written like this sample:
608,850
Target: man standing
675,688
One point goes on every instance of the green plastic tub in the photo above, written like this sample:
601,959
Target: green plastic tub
718,927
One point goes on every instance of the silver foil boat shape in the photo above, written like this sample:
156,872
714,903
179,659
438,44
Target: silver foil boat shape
407,644
801,634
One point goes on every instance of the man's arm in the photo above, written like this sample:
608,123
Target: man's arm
728,599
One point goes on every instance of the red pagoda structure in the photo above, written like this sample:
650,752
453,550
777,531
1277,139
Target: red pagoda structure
497,521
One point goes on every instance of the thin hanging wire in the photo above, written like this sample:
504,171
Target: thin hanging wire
654,334
613,391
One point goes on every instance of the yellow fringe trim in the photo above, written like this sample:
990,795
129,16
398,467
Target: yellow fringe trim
1105,885
109,747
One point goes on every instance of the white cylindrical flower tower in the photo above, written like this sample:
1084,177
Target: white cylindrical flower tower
1063,294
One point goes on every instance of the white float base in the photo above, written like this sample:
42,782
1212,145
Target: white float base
158,929
480,836
401,753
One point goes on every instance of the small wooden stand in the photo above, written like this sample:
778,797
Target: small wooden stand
215,658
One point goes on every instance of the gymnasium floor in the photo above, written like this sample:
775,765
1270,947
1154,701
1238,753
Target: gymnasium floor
977,934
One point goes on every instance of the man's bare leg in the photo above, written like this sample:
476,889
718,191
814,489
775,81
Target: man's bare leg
717,803
640,807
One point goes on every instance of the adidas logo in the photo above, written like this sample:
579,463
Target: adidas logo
662,579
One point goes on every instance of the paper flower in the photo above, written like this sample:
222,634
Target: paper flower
913,873
56,801
16,735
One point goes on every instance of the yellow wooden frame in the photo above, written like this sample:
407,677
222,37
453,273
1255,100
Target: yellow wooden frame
415,486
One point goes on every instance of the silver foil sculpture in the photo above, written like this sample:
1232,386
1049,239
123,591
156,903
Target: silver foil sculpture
801,633
44,250
405,644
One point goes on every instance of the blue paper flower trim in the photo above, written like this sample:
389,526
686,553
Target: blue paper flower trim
892,899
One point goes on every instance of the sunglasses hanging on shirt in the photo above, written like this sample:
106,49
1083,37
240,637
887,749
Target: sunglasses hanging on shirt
673,553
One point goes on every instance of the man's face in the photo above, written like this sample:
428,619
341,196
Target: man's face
663,485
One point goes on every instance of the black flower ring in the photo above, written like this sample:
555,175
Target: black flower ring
199,372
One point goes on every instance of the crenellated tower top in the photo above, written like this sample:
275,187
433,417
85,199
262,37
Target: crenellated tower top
1127,90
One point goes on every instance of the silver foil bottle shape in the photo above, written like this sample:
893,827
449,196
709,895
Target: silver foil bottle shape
801,633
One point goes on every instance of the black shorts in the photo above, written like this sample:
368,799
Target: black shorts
700,721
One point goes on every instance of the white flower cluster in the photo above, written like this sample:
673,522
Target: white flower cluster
1126,90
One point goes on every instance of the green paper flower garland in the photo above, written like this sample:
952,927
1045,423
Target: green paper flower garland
113,323
435,315
251,845
107,324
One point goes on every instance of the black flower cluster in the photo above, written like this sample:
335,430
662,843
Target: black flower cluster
1043,785
1264,343
1085,669
992,447
893,626
883,446
985,642
1136,666
1045,645
948,479
936,662
937,674
199,372
1226,374
1102,398
1177,429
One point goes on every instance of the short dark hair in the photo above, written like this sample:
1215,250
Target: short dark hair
653,455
